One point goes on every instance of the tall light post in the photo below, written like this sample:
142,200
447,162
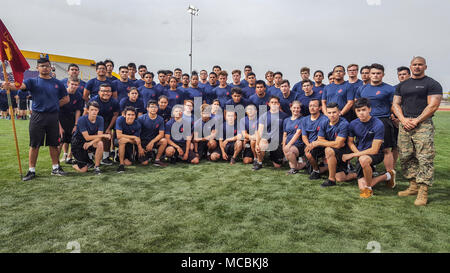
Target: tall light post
193,11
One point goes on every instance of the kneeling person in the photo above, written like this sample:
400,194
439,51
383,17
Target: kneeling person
369,134
88,138
128,131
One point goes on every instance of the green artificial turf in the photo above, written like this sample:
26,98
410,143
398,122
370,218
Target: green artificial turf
212,207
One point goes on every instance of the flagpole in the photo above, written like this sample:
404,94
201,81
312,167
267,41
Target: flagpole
11,113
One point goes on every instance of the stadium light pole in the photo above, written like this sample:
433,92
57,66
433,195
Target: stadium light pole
193,11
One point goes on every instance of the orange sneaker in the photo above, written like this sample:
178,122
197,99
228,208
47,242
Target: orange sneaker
391,182
366,193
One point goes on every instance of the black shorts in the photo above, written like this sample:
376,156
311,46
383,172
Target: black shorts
318,152
248,151
44,126
23,104
67,121
389,133
4,106
229,148
341,166
80,154
277,155
13,102
301,148
376,159
191,154
202,149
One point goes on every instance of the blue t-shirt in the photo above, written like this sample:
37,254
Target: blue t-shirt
148,94
338,93
240,85
273,91
204,128
107,108
93,86
380,97
331,132
248,91
244,83
3,96
182,130
210,94
192,93
286,103
133,129
80,86
256,100
150,128
139,82
165,113
222,94
123,88
85,125
228,131
304,100
23,94
244,102
318,89
365,132
138,105
248,125
266,121
161,88
357,84
175,97
75,103
290,127
46,94
311,128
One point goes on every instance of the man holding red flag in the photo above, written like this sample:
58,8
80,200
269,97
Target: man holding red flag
48,95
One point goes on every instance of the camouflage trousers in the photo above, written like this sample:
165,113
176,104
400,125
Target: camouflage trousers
416,149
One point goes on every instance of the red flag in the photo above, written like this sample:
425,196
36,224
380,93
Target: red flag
11,53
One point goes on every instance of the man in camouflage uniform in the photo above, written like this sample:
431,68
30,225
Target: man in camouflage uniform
415,102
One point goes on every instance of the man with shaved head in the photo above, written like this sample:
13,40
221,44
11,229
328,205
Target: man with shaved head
415,102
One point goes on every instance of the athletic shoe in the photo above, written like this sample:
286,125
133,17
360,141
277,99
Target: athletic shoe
391,182
314,176
328,183
107,161
366,193
232,161
59,171
159,163
292,171
121,169
97,170
69,161
257,167
29,176
254,162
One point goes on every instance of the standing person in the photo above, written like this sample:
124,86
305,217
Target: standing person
236,79
195,91
152,134
22,96
132,73
142,69
293,146
330,77
88,138
340,92
306,95
318,84
304,75
352,71
4,104
236,99
269,78
223,91
286,97
109,70
365,140
174,93
216,69
247,70
270,134
250,89
93,85
163,82
380,95
275,88
148,90
203,78
123,84
260,98
185,79
49,95
73,71
109,110
415,102
210,96
68,117
177,73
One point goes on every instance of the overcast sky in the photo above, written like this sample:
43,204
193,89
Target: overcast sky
269,35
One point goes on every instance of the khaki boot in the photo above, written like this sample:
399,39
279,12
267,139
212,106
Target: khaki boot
412,190
422,197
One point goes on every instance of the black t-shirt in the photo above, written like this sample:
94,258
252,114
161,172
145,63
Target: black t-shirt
414,93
